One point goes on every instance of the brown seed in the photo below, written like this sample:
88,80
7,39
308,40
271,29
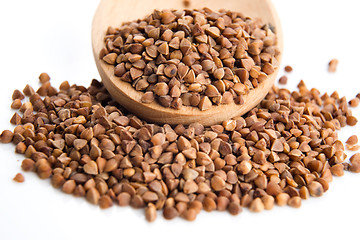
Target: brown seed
282,199
304,192
217,183
294,202
28,165
288,69
150,213
164,48
354,102
93,196
351,120
20,148
69,186
333,65
256,205
91,168
110,58
315,189
205,103
213,32
244,167
170,213
148,97
44,77
57,180
16,119
79,143
190,214
28,90
124,199
283,80
352,140
161,89
190,187
337,170
209,204
105,202
268,201
16,104
19,178
234,208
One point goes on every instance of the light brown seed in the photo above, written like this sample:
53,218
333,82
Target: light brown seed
28,165
351,120
148,97
333,65
288,69
123,199
161,89
105,202
190,186
205,103
19,178
44,77
69,186
256,205
93,196
294,202
268,201
217,183
190,214
213,32
209,204
150,212
234,208
352,140
170,213
315,189
283,80
110,58
282,199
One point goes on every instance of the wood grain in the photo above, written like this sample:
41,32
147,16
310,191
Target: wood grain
114,12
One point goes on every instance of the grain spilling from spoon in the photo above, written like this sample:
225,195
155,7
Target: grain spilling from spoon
197,58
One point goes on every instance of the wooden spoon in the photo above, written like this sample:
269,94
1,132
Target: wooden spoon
114,12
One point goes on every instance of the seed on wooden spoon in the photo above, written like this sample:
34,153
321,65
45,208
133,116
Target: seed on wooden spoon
194,66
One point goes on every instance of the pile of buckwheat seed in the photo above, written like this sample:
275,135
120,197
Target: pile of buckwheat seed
282,152
193,58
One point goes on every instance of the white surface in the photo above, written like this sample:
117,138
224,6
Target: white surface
54,36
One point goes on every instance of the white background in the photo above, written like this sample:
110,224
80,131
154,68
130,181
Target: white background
54,36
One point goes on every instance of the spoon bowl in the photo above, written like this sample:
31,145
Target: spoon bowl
114,12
